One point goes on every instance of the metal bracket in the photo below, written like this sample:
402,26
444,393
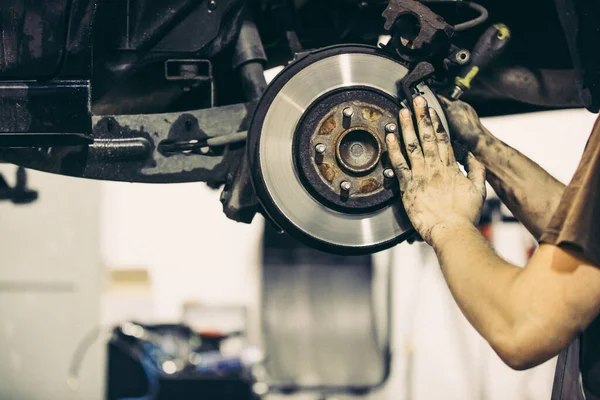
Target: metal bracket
418,74
191,73
128,148
417,32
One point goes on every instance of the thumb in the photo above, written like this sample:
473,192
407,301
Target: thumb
476,174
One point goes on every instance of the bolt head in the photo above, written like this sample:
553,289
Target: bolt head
212,5
391,127
348,112
462,56
320,148
389,173
346,186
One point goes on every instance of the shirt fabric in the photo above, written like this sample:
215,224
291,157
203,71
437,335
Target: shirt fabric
576,225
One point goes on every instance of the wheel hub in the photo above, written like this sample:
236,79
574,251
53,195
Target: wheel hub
340,152
348,147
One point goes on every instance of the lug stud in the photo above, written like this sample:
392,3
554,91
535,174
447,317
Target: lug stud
391,128
348,114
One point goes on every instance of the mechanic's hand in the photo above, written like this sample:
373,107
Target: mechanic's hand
434,190
464,123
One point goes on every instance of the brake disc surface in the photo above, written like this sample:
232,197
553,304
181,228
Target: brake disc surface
317,150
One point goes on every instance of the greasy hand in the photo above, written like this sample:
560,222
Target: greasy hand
434,190
464,123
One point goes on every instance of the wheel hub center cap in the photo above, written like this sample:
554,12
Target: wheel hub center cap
358,151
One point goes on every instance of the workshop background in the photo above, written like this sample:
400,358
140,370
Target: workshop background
90,254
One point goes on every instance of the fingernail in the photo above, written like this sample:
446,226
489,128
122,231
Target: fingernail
432,112
420,101
405,113
391,138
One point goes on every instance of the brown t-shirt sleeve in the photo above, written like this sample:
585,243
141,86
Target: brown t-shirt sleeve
576,221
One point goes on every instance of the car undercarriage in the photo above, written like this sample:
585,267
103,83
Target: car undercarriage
174,91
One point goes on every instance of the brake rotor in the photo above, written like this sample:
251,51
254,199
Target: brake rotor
317,150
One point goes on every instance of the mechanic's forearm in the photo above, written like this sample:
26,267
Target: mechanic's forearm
487,290
477,277
530,192
525,314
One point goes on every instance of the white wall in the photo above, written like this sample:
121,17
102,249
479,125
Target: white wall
438,355
553,139
50,281
180,235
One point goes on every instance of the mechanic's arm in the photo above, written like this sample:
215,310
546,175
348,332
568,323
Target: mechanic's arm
528,190
527,315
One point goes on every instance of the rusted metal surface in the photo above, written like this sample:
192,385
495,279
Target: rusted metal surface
357,159
416,29
127,148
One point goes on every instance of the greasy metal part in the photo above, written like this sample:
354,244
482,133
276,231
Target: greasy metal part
203,146
45,72
130,35
45,41
391,127
188,70
480,19
463,26
348,113
281,190
248,47
28,118
137,97
457,92
579,19
416,76
462,56
21,139
126,148
253,80
227,139
238,196
191,73
249,58
200,23
417,32
356,148
542,87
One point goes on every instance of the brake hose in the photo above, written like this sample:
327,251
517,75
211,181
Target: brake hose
483,13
